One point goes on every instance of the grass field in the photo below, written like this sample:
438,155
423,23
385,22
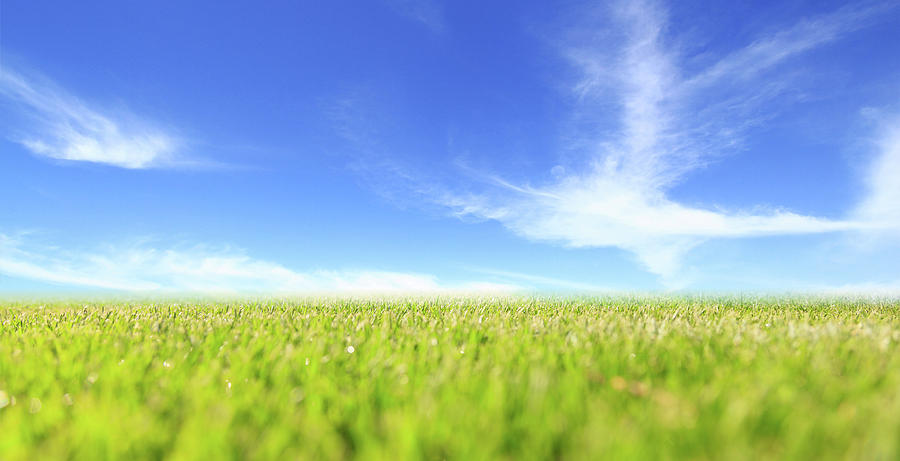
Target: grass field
455,378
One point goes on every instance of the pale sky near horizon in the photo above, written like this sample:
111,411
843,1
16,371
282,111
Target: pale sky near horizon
425,145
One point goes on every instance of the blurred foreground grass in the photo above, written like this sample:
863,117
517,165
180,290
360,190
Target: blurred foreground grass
459,378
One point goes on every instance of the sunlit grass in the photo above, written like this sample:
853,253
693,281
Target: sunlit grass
462,378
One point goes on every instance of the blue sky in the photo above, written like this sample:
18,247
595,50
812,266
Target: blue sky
415,145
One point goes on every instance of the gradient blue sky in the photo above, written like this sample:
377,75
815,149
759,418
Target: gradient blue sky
420,145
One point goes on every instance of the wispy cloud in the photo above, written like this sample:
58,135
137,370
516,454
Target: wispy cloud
668,127
426,12
147,268
809,33
54,123
881,205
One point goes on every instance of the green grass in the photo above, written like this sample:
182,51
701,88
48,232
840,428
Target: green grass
455,378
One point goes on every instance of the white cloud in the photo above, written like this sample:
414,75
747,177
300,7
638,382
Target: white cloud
58,125
427,12
769,51
142,267
882,203
668,127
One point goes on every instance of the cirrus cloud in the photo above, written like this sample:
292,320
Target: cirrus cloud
142,267
54,123
668,127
